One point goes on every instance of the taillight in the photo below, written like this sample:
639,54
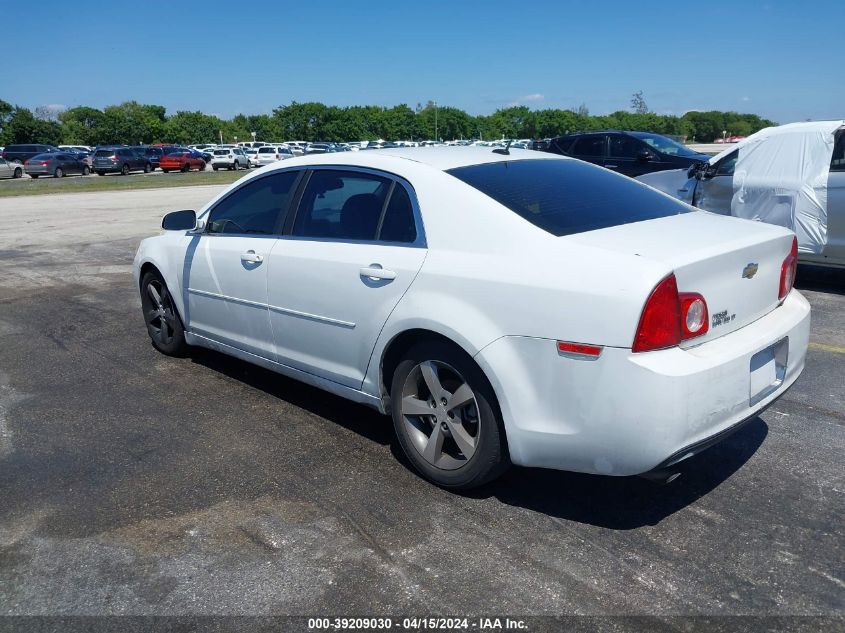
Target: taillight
694,317
788,269
277,157
660,323
670,317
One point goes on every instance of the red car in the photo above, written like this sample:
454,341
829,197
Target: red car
182,160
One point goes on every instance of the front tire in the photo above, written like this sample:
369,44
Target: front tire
163,323
147,168
86,170
101,173
447,418
34,176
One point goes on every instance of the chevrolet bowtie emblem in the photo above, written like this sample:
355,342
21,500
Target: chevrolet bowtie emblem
749,271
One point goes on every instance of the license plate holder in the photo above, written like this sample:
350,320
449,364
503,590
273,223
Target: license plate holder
767,370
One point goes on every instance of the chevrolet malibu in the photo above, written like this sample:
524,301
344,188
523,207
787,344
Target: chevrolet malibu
501,307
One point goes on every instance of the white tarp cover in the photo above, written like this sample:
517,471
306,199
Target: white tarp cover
781,178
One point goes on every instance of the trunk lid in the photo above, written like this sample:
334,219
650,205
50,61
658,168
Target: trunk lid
735,264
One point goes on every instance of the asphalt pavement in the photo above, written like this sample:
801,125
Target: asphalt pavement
133,483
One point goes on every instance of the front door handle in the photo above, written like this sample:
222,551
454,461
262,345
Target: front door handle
375,271
252,258
612,166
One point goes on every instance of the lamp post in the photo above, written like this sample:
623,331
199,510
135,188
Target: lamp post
436,135
253,137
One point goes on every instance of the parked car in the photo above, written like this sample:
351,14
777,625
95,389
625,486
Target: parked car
56,164
83,149
269,155
183,160
521,308
629,153
229,158
252,156
792,175
297,147
22,153
320,148
10,170
122,160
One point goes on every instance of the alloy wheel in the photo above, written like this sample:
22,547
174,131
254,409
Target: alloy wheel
159,312
441,415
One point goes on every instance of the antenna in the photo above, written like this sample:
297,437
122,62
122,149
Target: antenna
504,150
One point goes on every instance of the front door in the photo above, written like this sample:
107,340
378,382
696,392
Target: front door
227,269
715,193
352,251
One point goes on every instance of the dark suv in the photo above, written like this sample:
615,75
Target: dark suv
629,153
22,153
155,153
121,160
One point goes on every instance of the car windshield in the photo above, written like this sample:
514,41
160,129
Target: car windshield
568,196
664,144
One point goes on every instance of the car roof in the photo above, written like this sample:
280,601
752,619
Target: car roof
440,158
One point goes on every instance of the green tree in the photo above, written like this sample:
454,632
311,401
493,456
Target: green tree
638,104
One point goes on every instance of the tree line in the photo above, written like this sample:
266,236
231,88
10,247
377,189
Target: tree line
136,123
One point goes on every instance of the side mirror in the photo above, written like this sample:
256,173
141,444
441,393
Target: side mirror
179,221
644,156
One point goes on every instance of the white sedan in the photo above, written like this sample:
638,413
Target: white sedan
503,308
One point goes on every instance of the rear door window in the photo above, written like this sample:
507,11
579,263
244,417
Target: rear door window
726,166
837,161
590,146
341,205
568,196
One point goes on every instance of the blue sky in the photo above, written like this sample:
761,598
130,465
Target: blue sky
776,58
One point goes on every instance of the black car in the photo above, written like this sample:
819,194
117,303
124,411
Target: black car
121,160
629,153
22,153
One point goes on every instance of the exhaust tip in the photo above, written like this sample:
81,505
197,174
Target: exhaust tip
661,477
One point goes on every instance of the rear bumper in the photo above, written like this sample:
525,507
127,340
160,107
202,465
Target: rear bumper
626,413
39,171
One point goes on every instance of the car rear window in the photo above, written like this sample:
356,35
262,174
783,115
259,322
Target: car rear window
104,152
221,152
568,196
266,150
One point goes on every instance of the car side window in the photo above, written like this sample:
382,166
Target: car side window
622,146
837,161
726,166
341,205
591,146
398,224
255,207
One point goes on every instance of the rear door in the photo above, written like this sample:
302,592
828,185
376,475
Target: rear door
349,254
227,267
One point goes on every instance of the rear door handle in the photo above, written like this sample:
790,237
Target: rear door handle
375,271
251,257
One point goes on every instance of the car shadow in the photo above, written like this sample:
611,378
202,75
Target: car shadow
618,503
363,420
820,279
627,503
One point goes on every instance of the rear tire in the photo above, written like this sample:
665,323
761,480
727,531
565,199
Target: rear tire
163,322
59,173
461,447
214,167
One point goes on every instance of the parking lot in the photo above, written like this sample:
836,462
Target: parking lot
134,483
